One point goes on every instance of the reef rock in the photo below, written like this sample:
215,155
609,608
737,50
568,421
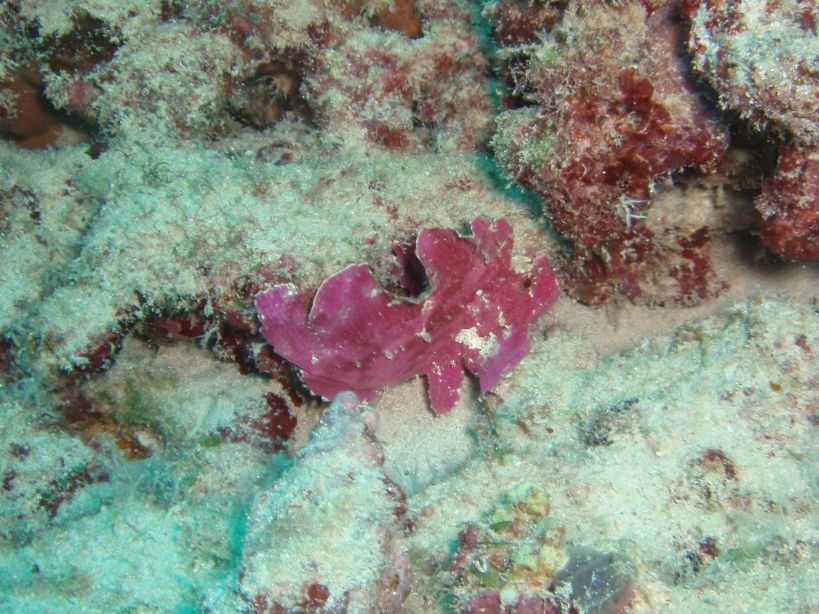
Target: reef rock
323,537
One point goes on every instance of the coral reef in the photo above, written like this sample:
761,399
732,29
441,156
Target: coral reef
183,106
142,472
609,111
475,316
39,487
408,94
164,163
514,560
124,493
691,485
100,266
761,59
358,69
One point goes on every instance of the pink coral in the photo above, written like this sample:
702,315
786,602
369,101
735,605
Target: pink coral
475,317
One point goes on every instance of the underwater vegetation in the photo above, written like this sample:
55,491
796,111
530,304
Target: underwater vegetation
475,316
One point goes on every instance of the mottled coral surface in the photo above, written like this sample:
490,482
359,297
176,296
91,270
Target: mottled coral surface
329,563
762,58
789,205
609,111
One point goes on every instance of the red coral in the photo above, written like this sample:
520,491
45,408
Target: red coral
316,595
475,317
694,273
789,205
601,136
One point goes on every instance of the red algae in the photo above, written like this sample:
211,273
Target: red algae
475,317
789,205
598,134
